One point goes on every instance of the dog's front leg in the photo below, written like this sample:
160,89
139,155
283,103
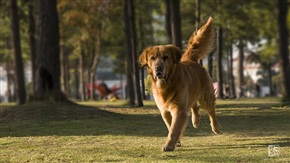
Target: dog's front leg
166,116
179,119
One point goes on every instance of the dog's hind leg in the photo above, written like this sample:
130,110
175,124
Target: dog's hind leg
179,119
195,116
214,123
209,104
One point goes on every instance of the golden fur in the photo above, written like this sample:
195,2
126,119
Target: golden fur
179,82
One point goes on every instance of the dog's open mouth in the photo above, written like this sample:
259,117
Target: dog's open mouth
160,76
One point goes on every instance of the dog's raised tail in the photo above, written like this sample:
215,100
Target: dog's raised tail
200,43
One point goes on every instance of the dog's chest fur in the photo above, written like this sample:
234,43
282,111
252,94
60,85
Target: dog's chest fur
164,97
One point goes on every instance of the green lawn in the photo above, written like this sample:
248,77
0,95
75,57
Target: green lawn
113,132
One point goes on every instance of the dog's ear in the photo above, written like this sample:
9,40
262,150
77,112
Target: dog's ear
143,57
176,53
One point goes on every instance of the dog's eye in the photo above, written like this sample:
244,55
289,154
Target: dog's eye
165,58
152,58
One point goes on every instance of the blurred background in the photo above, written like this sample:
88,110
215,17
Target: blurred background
88,49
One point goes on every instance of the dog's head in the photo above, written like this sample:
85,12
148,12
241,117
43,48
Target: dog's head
160,60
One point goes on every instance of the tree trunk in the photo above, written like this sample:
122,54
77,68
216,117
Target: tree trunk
142,47
232,79
210,63
134,53
151,35
32,43
81,77
13,80
96,59
132,48
65,70
283,33
20,83
197,14
48,52
228,83
241,83
168,21
176,23
219,63
269,69
197,19
130,86
77,80
8,94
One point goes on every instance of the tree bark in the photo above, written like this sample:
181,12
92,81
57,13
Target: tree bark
32,43
283,36
197,19
96,59
65,69
241,83
77,79
130,85
176,23
132,48
269,69
8,76
82,87
232,79
48,53
197,14
20,82
210,63
219,63
134,54
142,47
168,21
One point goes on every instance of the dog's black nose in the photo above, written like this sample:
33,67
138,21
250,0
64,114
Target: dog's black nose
159,68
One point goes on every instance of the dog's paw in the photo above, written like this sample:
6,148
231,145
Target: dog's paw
195,121
216,130
178,144
195,124
167,148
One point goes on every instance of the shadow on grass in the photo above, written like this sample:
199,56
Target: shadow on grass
52,118
67,119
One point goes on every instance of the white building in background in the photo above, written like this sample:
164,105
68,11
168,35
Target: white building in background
251,71
3,85
3,81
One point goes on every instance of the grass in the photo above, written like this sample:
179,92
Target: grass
113,132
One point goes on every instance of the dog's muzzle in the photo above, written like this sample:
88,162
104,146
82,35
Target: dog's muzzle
159,74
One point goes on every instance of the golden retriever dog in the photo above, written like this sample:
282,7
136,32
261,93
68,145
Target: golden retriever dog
179,82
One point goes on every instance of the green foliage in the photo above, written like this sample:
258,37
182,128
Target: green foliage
265,55
6,52
79,28
5,34
147,83
269,53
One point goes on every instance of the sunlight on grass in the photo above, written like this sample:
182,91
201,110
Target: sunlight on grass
82,133
111,103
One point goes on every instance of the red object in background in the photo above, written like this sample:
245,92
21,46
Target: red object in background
103,90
